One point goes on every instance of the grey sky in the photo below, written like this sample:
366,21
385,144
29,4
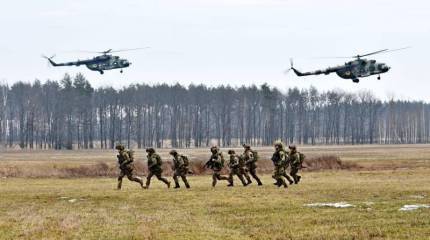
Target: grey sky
220,41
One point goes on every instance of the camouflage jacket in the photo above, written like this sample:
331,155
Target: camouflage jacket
178,162
154,162
280,158
294,158
216,161
124,158
234,161
249,159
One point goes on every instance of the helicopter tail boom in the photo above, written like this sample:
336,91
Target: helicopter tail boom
51,61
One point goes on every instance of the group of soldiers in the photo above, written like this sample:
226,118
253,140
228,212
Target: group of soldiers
243,166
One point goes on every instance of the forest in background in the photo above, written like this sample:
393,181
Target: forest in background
71,114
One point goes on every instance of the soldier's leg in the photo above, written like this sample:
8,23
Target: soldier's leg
230,178
135,178
220,177
288,178
246,175
184,179
242,179
175,178
253,173
214,178
148,179
121,175
293,173
164,180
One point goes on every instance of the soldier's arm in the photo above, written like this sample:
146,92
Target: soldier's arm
180,162
126,158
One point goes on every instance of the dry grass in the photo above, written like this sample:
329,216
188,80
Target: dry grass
102,163
41,208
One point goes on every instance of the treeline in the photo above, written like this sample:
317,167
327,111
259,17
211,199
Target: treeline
70,114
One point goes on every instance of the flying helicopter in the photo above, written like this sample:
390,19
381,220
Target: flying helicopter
101,63
355,69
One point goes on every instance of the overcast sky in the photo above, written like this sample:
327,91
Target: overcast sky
237,42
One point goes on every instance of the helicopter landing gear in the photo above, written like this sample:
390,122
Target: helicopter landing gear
121,71
101,72
379,77
355,80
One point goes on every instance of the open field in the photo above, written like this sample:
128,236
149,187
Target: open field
90,208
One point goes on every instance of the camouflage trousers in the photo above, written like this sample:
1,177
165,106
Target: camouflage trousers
216,175
239,172
129,172
253,173
293,172
183,174
279,175
159,177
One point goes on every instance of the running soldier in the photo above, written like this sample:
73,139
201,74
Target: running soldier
216,163
154,167
280,160
295,163
126,166
180,168
235,168
251,158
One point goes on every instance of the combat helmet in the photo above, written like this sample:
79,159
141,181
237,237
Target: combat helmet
292,147
150,150
246,146
231,151
119,147
279,144
173,152
214,149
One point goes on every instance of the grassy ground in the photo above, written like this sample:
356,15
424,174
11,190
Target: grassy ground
91,208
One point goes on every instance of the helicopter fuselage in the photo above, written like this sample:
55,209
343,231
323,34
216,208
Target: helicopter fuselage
99,63
351,70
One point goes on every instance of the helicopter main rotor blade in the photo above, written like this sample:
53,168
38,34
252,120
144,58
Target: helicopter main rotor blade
129,49
372,53
112,51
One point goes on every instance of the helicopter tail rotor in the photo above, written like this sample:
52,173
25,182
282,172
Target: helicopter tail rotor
291,67
50,60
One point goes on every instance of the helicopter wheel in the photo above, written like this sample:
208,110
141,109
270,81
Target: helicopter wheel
379,77
101,72
120,71
355,80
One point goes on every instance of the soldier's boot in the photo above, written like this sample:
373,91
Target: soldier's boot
230,180
140,181
258,181
214,180
148,182
248,178
187,185
175,178
298,178
289,179
119,185
284,183
243,180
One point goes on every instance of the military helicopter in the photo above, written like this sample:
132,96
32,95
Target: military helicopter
354,69
101,63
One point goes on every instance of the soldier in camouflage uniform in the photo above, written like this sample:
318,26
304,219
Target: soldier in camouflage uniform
180,168
280,160
295,163
154,167
235,168
250,158
216,163
126,166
